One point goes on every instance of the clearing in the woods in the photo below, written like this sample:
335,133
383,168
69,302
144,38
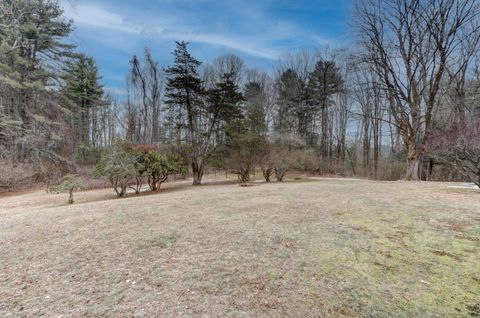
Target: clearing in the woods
305,248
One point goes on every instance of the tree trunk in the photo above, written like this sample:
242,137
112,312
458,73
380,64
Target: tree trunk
323,140
352,162
244,177
376,149
412,167
138,185
197,172
70,198
280,173
366,147
153,183
267,172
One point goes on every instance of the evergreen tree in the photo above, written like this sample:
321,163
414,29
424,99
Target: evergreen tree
254,108
185,97
292,113
202,113
324,81
244,148
224,103
184,89
85,91
32,47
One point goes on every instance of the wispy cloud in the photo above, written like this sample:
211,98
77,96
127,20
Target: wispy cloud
221,40
259,31
174,26
98,17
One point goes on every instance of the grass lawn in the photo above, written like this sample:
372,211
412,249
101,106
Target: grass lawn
317,248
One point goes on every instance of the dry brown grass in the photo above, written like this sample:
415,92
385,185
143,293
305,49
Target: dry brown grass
325,248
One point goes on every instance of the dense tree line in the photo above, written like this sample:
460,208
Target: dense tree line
54,112
382,108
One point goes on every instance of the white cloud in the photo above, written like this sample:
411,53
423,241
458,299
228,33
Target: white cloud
98,17
264,42
221,40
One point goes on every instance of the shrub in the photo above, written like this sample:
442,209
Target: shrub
305,160
275,160
120,164
458,147
267,172
125,164
244,150
266,162
281,162
69,183
15,176
158,165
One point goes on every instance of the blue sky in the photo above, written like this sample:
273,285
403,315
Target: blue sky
260,32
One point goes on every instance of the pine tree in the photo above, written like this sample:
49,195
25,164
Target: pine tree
32,48
84,90
245,145
292,115
223,103
185,97
254,108
324,81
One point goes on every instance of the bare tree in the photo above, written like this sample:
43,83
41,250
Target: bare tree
368,95
456,83
458,147
147,84
410,43
229,64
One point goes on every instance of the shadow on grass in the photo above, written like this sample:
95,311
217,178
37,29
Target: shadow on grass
169,187
181,186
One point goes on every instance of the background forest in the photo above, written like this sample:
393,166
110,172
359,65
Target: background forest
400,102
